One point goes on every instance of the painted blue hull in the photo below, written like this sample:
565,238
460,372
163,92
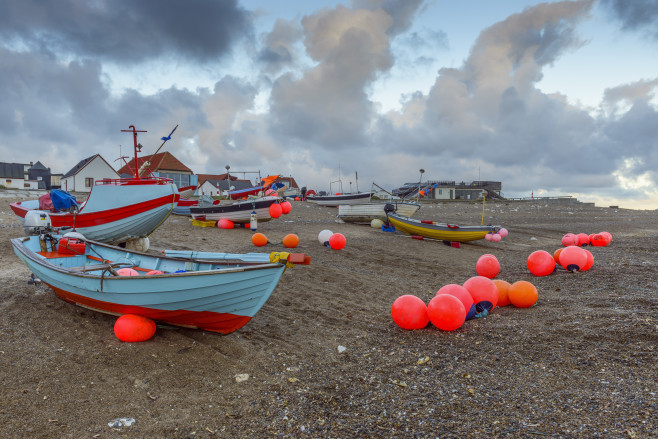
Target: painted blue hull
214,295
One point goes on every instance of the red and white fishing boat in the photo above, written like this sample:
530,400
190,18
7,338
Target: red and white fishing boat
117,210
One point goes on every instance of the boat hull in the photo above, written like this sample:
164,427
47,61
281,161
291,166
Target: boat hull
217,296
337,200
366,212
115,213
439,231
239,212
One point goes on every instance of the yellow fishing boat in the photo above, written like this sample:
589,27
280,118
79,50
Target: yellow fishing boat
439,231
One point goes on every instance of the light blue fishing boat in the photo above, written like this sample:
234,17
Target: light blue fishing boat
218,292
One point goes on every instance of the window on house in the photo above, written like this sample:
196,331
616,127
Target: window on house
89,182
26,185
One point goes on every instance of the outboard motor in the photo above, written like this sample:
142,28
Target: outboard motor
388,208
37,222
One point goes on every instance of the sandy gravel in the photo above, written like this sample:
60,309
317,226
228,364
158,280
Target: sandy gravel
324,358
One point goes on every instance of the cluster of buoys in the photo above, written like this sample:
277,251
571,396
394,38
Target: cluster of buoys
289,241
572,256
496,236
134,328
453,304
583,239
328,238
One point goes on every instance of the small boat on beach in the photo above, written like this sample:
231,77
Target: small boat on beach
186,192
439,231
238,212
116,210
338,199
366,212
218,292
183,206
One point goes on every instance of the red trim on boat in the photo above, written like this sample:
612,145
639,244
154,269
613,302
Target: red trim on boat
224,323
103,217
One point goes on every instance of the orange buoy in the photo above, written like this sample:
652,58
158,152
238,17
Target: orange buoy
409,312
446,312
290,241
503,292
556,255
127,272
258,239
487,266
523,294
134,328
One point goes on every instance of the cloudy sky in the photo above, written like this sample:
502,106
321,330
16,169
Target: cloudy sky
551,98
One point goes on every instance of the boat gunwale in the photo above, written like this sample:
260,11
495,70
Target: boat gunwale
17,243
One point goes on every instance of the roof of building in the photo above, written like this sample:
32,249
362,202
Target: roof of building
223,184
203,177
82,163
161,162
38,166
12,170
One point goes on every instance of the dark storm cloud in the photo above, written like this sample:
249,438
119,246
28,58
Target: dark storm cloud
635,14
60,113
279,51
125,30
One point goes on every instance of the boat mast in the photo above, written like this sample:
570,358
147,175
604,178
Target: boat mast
134,131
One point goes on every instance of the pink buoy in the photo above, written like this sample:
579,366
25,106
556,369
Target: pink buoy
153,272
446,312
487,266
225,223
569,239
503,232
127,272
409,312
496,237
488,237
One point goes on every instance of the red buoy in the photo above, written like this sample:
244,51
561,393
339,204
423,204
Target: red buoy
134,328
446,312
484,293
487,266
573,258
541,263
409,312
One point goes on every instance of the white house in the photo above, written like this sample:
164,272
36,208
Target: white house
83,175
